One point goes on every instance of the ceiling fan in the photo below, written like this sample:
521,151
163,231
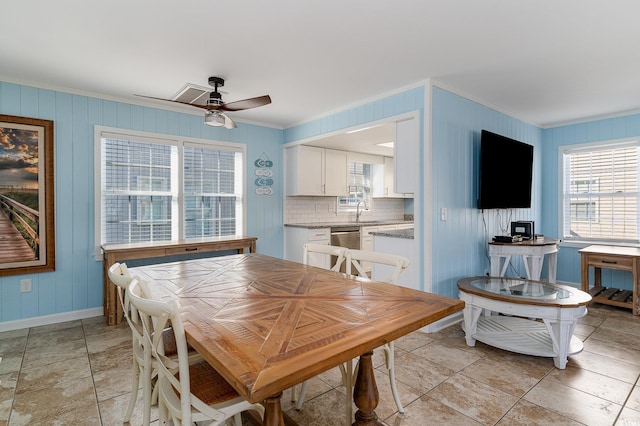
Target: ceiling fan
216,107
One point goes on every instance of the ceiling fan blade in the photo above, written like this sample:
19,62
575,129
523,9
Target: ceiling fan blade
246,103
228,123
207,107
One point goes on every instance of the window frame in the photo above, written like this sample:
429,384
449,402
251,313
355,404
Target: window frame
180,142
589,147
350,206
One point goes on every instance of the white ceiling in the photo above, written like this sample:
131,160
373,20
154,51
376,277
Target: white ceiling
543,61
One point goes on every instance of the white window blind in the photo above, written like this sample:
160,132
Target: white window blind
138,191
212,192
600,193
161,189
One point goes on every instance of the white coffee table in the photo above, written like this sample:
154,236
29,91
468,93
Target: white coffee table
539,317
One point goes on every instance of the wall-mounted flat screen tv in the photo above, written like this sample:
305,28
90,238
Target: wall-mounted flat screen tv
506,170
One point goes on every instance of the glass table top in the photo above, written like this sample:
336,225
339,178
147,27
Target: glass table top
521,288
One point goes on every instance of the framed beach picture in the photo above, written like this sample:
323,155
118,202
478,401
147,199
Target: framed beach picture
27,227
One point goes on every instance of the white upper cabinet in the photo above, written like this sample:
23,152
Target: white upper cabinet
398,176
406,152
335,173
316,171
383,180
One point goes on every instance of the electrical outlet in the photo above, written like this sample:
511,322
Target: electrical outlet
25,286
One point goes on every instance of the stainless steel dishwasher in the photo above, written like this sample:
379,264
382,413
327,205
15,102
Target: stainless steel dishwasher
344,236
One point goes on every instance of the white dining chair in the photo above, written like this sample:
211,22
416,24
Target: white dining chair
354,266
337,253
119,275
143,371
399,264
309,249
187,392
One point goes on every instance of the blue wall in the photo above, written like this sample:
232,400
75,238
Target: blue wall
77,282
592,131
460,243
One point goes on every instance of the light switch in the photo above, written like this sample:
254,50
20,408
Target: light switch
443,214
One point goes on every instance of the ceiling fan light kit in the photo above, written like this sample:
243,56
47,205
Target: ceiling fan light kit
214,115
213,119
218,119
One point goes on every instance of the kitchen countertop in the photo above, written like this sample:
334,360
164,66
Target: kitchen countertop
350,224
400,233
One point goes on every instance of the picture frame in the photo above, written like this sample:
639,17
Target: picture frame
27,226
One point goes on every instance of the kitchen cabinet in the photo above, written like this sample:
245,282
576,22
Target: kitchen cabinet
316,171
406,247
366,240
295,239
383,180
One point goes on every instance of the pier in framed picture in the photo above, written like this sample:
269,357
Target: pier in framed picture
27,228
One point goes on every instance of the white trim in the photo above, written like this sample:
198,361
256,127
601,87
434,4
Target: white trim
582,120
129,101
400,117
159,138
592,118
604,144
443,323
356,104
477,100
51,319
599,145
423,198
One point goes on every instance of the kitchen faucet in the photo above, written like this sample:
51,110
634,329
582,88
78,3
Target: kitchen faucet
358,211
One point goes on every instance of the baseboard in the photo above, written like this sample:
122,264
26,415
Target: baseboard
50,319
443,323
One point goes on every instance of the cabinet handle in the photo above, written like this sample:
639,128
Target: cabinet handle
191,249
611,262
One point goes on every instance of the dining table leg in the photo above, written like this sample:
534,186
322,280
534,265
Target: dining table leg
273,411
365,393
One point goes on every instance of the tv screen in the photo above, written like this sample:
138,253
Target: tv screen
506,170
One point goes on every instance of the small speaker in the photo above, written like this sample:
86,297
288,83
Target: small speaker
523,228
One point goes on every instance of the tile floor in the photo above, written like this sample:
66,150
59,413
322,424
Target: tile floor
79,373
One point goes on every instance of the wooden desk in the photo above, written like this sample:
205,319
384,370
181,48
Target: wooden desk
120,252
611,257
267,324
532,252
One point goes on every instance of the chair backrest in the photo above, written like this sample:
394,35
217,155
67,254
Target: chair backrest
119,275
338,252
355,257
160,315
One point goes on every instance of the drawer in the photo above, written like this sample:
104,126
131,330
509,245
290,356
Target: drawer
319,234
611,261
197,249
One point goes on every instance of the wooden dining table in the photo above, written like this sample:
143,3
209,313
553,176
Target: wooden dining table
267,324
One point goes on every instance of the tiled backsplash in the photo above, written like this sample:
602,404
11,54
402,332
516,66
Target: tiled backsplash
323,210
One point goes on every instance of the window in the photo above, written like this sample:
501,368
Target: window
152,188
600,192
359,177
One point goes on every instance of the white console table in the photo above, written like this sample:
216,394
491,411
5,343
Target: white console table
532,252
